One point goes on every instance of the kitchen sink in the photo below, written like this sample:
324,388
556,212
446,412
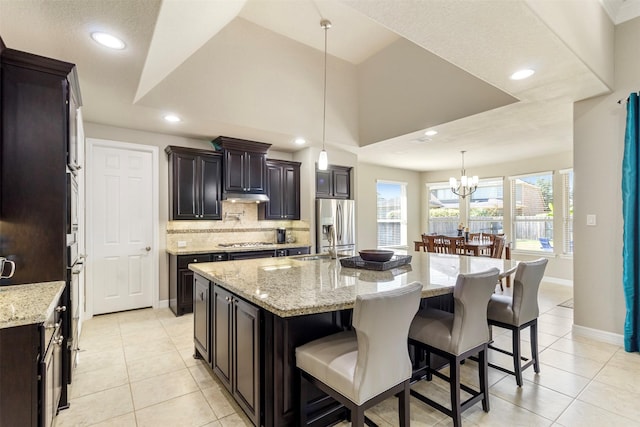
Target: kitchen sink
311,257
317,257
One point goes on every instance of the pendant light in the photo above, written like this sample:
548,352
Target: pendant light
468,184
323,161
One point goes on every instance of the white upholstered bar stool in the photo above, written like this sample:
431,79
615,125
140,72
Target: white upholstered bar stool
455,337
362,367
517,312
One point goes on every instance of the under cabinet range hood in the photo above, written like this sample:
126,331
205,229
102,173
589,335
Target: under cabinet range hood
244,197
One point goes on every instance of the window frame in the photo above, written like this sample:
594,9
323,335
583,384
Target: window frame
404,239
442,186
489,182
548,221
567,181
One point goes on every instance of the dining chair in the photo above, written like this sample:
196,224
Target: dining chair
457,336
517,312
362,367
436,243
456,245
428,243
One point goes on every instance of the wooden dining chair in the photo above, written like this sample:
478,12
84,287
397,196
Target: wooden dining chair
496,252
428,243
456,245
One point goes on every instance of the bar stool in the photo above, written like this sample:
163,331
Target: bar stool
457,336
518,312
362,367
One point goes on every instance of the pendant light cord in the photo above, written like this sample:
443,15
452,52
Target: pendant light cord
326,24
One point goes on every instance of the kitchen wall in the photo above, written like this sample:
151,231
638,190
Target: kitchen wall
599,126
93,130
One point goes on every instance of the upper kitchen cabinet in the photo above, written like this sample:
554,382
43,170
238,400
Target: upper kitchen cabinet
283,189
334,183
244,166
195,178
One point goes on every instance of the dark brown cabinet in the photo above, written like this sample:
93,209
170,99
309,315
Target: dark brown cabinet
181,280
194,183
31,381
236,349
283,189
38,125
334,183
244,165
303,250
201,317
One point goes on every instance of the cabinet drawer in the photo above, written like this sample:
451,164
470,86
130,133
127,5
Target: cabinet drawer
299,251
185,260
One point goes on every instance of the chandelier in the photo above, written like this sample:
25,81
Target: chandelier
323,162
468,184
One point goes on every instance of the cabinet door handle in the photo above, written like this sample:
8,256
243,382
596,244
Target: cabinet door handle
195,260
61,308
201,296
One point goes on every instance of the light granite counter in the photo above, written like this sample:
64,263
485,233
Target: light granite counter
293,286
28,304
212,249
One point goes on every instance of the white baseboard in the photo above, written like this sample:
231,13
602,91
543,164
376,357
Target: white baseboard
558,281
599,335
163,303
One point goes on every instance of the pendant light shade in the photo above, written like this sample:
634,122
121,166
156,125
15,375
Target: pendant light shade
323,161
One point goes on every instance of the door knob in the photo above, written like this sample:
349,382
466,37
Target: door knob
148,248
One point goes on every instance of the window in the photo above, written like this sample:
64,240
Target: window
443,209
567,211
486,207
532,212
392,214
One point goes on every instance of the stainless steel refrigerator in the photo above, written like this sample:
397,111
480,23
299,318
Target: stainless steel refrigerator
336,219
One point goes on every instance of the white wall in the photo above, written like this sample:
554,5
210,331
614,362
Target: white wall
599,126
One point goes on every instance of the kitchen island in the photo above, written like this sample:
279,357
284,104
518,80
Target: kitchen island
249,316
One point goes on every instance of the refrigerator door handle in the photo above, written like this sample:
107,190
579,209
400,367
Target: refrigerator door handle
339,221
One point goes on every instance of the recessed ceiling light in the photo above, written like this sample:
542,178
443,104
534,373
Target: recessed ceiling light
522,74
300,141
431,132
108,40
172,118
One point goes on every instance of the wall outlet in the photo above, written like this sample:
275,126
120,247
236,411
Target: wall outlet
182,244
591,219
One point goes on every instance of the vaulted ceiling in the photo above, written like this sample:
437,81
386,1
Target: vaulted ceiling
254,69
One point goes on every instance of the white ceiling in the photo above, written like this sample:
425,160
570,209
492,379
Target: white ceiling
253,69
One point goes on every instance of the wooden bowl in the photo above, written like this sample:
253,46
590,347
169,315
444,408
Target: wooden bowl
376,255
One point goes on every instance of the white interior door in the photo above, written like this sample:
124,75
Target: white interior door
121,219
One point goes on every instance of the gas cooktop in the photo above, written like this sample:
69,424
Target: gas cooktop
244,244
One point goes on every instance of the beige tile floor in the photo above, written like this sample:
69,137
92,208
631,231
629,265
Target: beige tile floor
136,369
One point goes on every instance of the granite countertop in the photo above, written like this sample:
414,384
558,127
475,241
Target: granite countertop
211,249
28,304
292,286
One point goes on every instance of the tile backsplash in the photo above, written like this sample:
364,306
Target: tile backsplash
239,224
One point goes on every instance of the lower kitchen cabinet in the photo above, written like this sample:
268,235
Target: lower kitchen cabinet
181,280
201,317
31,381
235,348
303,250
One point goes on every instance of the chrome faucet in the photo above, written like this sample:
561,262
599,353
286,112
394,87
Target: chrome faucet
332,236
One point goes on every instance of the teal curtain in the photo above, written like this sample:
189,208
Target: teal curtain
630,239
